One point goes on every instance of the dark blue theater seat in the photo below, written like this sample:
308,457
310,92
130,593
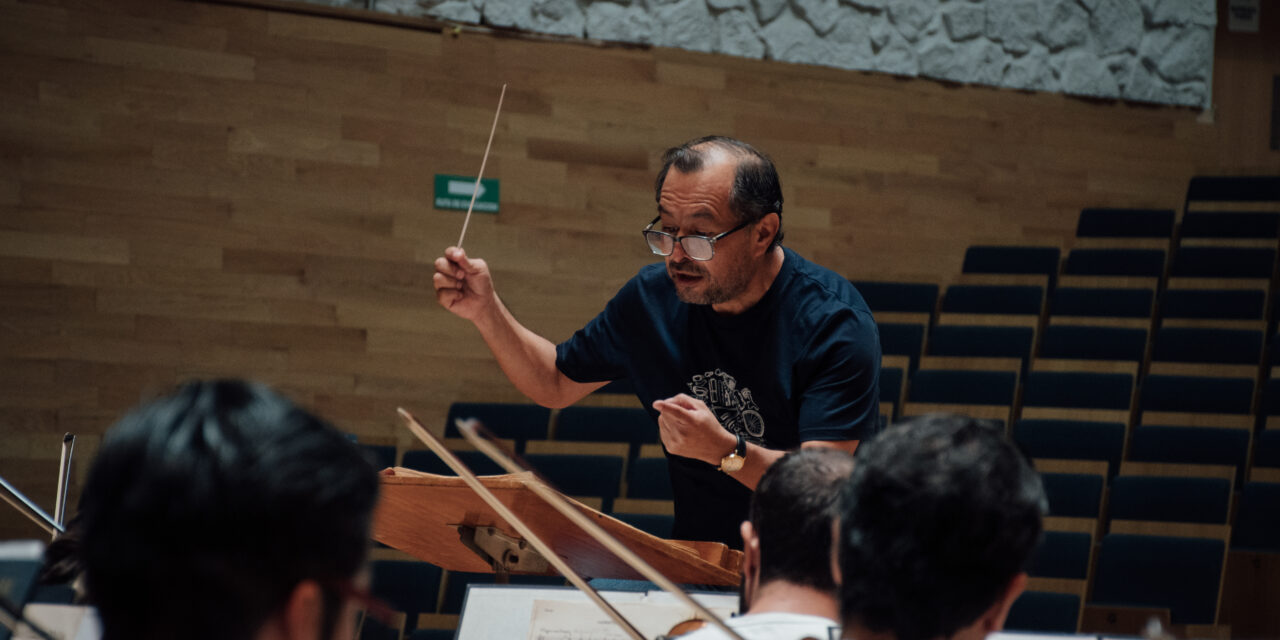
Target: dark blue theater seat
1169,499
941,386
1142,263
1221,346
1102,302
1093,343
1181,574
1125,223
1072,440
1073,495
905,297
1197,394
517,422
993,299
1078,390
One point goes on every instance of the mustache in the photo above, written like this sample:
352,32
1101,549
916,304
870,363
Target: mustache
685,269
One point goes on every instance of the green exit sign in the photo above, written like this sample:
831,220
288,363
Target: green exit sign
454,192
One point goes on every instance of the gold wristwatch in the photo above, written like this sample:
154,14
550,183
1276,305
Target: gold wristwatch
736,458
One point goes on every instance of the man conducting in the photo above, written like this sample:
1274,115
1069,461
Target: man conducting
740,348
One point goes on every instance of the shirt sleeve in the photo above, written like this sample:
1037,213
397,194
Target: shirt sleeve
841,399
597,352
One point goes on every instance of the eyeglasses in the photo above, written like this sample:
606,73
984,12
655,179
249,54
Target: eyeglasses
696,247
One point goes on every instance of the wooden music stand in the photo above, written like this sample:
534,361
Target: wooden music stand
440,520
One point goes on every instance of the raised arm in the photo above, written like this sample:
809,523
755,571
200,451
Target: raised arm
465,287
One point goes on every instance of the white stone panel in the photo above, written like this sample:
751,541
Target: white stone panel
739,35
612,21
687,24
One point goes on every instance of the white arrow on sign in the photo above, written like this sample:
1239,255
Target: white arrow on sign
460,188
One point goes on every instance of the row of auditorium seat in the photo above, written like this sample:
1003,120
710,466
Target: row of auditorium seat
1138,380
1133,370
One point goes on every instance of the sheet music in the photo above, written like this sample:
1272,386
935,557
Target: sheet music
559,620
508,611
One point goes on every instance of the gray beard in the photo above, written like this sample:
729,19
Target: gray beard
715,291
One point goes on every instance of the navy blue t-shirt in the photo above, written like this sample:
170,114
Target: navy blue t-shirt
801,364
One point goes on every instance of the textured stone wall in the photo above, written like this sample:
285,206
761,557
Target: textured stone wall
1144,50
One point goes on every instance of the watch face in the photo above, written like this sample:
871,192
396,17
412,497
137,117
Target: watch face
732,462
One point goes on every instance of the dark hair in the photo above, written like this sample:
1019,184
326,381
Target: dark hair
756,191
204,509
940,514
792,509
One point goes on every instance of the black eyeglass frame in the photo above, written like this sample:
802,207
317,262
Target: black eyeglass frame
711,240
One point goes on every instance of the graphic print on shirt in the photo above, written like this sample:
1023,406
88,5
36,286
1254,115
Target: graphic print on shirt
733,406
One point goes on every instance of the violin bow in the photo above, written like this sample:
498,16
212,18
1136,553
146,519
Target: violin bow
469,430
503,512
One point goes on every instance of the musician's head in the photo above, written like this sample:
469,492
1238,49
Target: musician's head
788,534
716,187
224,511
937,521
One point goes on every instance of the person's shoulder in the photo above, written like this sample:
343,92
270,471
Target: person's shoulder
817,289
781,625
650,281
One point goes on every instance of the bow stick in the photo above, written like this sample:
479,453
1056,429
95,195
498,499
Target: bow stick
559,503
476,189
543,548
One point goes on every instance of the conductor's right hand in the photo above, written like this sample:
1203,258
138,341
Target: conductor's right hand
463,285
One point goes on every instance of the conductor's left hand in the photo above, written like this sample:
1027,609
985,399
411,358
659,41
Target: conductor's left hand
689,428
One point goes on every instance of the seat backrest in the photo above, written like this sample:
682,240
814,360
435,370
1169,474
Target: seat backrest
1183,575
381,456
1072,440
1008,259
993,299
1073,495
1257,526
1062,554
902,339
1190,445
648,479
1197,394
1266,448
1146,263
942,386
1093,343
428,461
657,524
1230,224
408,586
1213,304
1223,262
1233,189
1204,345
607,424
1045,612
1125,223
906,297
1102,302
892,385
519,422
1078,390
981,341
1168,499
581,475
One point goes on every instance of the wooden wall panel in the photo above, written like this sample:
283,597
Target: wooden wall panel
192,189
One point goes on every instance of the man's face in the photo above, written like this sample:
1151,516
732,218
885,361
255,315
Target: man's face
698,204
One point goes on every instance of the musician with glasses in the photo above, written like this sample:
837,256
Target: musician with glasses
740,348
